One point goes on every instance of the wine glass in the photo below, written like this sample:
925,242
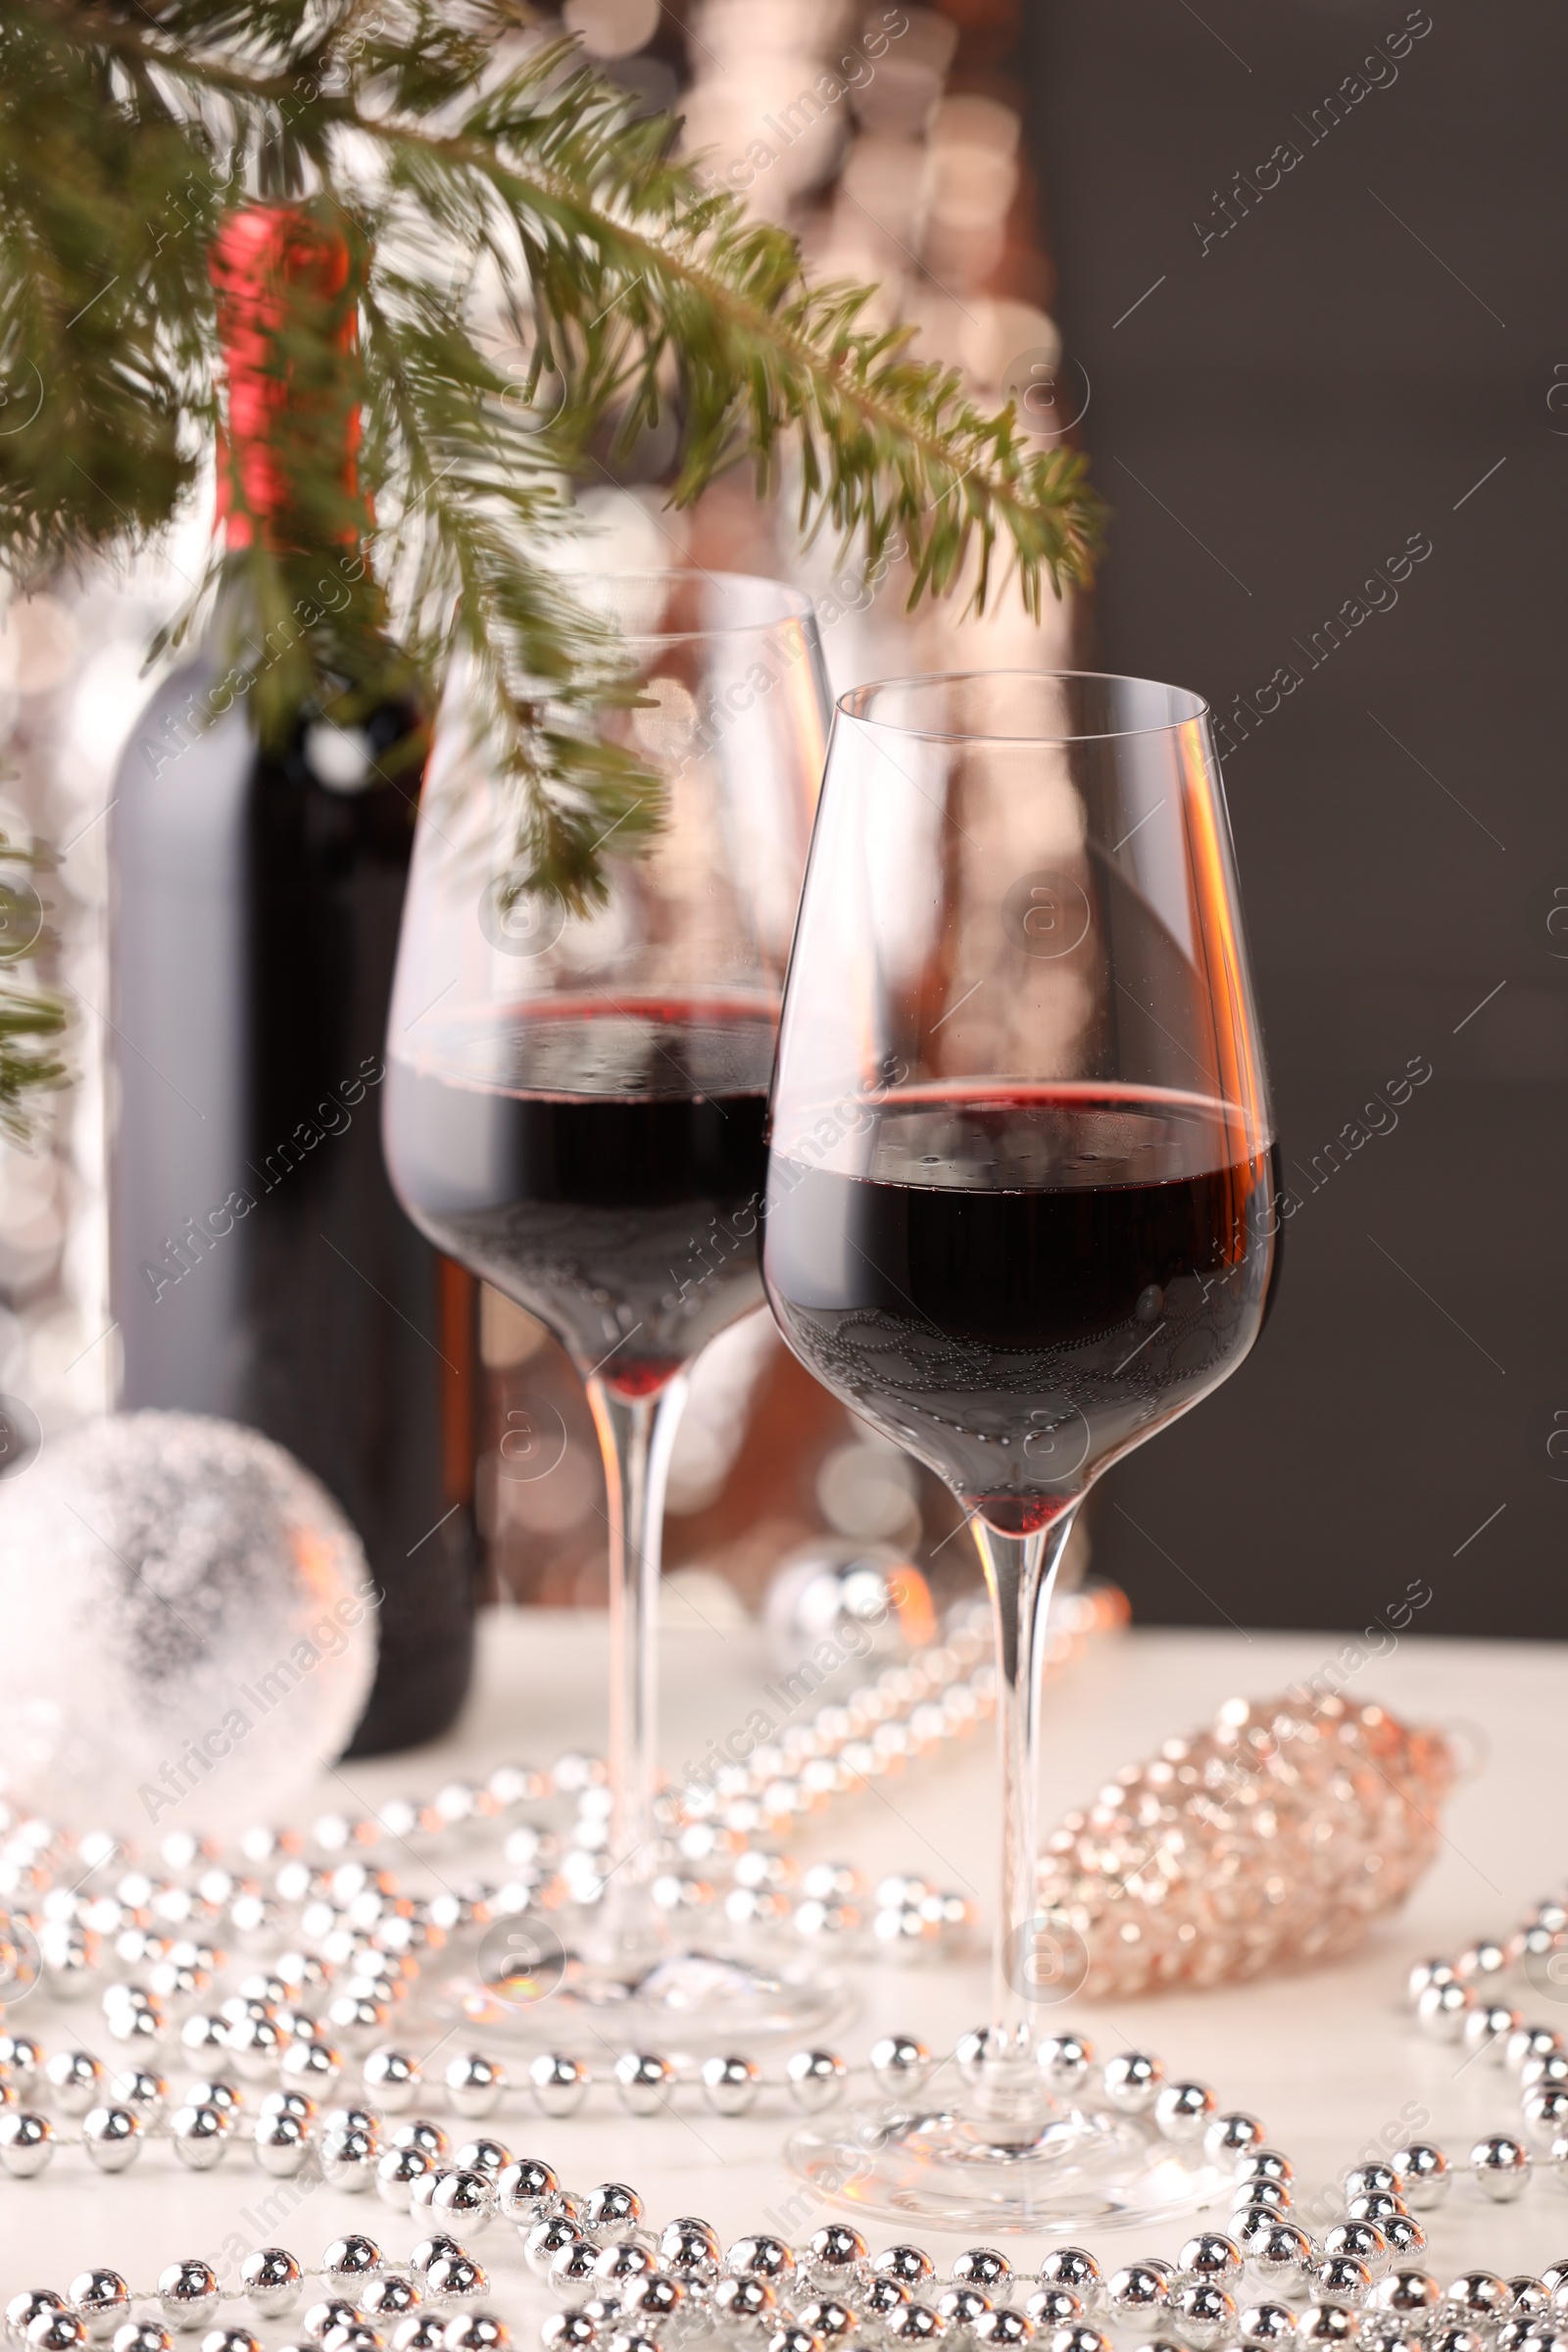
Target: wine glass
1020,1215
574,1110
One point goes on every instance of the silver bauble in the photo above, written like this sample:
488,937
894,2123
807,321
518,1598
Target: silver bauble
838,1601
213,1598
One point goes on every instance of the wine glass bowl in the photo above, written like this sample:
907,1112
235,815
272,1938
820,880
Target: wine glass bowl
574,1108
1020,1215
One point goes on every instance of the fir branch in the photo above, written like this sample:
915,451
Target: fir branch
493,185
30,1017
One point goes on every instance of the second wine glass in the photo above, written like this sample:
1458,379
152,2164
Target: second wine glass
574,1110
1020,1214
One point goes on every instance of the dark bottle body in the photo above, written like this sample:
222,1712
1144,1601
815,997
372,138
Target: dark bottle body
261,1268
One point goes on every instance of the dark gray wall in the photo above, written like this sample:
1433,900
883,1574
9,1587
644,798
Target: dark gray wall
1368,356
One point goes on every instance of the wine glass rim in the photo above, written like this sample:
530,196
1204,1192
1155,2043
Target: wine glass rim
795,604
855,706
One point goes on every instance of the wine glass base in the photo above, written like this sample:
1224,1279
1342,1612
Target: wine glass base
1062,2169
685,2004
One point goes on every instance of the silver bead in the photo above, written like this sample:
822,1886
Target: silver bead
310,2066
957,2307
743,2302
418,2132
1266,2328
567,2332
656,2298
397,2171
1410,2298
20,2060
141,2089
984,2267
836,2254
1075,2269
1203,2312
1461,2339
614,2266
1501,2166
76,2079
522,2189
24,2306
101,2300
143,2335
1052,2306
461,2202
55,2331
560,2084
1248,2197
1339,2278
901,2063
1231,2135
730,2084
188,2293
1378,2205
1546,2115
475,2331
573,2264
388,2296
282,2145
433,2249
1368,2179
221,2095
1132,2081
644,2081
486,2156
26,2142
611,2210
269,2280
1064,2059
1528,2042
1479,2298
1209,2255
474,2083
913,2324
815,2078
1405,2236
1487,2027
324,2317
1264,2164
112,2137
349,2260
420,2331
392,2079
761,2257
230,2340
1325,2327
545,2241
1003,2331
1441,2010
348,2158
1183,2111
1081,2338
1421,2175
689,2250
1135,2296
200,2135
1276,2251
908,2267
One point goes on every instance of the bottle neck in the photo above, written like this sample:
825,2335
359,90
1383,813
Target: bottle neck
287,323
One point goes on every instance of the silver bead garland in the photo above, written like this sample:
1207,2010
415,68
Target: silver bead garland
1267,2285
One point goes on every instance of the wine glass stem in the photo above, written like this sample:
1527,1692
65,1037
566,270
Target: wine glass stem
636,1438
1020,1573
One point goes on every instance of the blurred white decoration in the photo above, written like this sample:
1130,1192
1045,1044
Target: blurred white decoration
861,1599
190,1627
870,1490
699,1600
611,27
713,1426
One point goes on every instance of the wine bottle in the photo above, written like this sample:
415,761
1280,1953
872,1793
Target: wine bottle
261,1268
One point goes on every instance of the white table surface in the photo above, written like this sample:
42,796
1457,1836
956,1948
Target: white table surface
1325,2058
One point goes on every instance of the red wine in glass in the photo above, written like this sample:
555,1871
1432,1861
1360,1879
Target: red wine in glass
1025,1278
603,1163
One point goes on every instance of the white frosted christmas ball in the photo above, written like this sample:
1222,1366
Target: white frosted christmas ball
189,1633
